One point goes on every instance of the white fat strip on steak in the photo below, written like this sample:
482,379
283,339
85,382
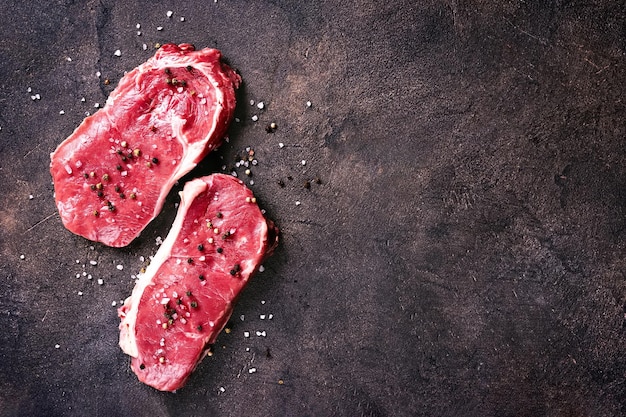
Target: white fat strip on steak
190,152
128,342
192,190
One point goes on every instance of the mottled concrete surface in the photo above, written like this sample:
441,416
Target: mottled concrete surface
462,256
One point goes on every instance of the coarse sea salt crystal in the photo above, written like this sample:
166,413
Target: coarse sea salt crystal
281,145
251,370
113,303
100,281
260,105
169,13
255,118
120,267
117,52
57,346
61,111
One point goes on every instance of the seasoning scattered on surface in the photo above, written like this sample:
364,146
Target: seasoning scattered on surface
117,52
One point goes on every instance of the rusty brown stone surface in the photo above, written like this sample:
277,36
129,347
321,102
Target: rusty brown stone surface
461,255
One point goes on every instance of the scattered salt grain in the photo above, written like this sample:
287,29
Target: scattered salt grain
117,53
80,293
98,74
251,370
237,120
138,26
82,99
57,346
308,104
242,317
141,259
78,275
113,303
271,316
252,102
62,112
303,162
138,33
260,105
246,334
30,196
120,267
261,268
262,301
22,257
96,105
255,118
100,281
144,46
262,316
68,59
281,145
29,89
222,389
298,203
159,28
247,349
89,276
182,19
93,262
169,13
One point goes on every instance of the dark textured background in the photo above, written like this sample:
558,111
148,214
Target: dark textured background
463,255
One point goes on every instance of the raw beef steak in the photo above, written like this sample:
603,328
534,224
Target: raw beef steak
113,173
184,299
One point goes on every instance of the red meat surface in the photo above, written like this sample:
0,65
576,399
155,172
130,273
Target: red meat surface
111,176
180,304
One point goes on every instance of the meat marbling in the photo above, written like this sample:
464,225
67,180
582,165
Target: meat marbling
111,176
180,304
